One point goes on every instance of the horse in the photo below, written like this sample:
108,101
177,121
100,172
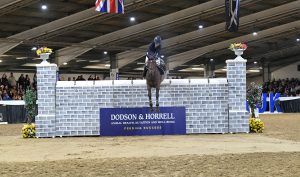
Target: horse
154,79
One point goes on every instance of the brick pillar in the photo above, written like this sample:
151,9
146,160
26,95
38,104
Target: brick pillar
46,83
238,116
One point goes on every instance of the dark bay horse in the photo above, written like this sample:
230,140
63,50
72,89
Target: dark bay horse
154,80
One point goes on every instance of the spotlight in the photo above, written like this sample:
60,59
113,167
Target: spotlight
44,7
0,61
254,33
200,26
105,52
298,39
107,65
162,56
255,62
132,19
34,48
65,63
211,60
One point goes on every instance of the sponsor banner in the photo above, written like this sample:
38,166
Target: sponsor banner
140,121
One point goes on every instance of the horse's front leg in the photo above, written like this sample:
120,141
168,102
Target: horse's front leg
150,99
157,98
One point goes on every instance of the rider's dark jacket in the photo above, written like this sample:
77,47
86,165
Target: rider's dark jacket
153,52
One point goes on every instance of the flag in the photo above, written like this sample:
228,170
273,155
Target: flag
232,15
110,6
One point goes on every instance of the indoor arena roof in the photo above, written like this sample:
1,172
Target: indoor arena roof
193,33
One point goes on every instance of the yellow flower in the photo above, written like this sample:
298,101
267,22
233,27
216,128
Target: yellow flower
43,50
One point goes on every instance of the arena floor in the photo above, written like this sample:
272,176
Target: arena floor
273,153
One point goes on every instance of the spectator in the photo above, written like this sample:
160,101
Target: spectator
27,82
12,81
6,96
34,83
21,81
78,78
90,78
4,80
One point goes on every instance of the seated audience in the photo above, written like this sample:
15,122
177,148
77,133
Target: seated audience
286,87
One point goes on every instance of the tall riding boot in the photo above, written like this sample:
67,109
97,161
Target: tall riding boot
145,71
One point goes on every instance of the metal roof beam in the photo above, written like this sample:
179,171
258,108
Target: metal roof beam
175,19
66,24
179,59
176,42
8,6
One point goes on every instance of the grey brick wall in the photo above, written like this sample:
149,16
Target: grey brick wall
73,108
77,106
46,83
236,76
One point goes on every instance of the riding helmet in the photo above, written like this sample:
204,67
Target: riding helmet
157,40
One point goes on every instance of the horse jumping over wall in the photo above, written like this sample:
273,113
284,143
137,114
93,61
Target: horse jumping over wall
154,79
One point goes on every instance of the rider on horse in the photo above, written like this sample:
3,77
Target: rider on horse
154,54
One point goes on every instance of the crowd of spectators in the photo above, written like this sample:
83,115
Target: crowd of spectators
81,78
13,89
286,87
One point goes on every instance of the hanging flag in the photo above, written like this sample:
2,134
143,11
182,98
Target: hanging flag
110,6
232,15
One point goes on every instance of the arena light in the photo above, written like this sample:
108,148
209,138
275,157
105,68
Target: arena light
254,33
105,52
0,61
132,19
254,70
44,7
200,26
21,58
65,63
255,62
107,65
80,60
211,60
95,61
34,48
198,69
298,39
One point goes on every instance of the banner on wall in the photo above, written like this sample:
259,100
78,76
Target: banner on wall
232,8
140,121
274,103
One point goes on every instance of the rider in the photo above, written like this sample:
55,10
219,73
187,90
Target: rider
154,53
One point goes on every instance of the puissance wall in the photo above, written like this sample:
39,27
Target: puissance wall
77,106
73,108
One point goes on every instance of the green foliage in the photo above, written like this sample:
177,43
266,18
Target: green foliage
254,92
30,105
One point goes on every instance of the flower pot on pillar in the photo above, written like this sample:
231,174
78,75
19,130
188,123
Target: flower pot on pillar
44,57
239,53
238,49
44,53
